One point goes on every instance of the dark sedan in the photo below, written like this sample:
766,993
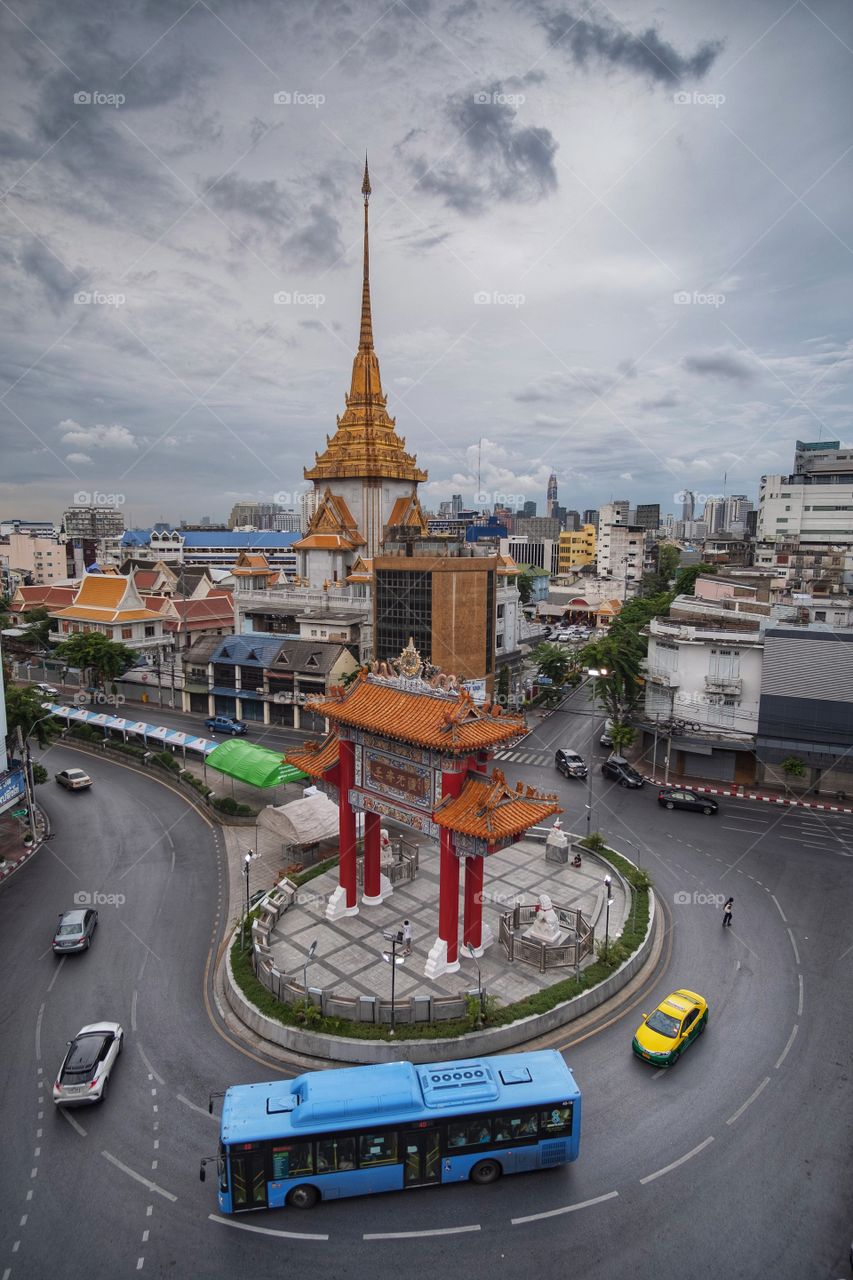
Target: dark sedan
617,769
75,931
683,798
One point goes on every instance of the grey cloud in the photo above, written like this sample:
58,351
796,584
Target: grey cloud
58,281
666,401
601,39
262,201
720,364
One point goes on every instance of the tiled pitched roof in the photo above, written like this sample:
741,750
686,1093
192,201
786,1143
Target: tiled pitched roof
101,592
455,725
490,809
316,758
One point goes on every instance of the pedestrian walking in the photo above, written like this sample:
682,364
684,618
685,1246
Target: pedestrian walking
728,907
407,938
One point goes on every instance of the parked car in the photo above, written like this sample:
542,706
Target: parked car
619,770
605,740
73,779
570,763
663,1035
49,690
85,1072
684,798
563,636
75,931
225,724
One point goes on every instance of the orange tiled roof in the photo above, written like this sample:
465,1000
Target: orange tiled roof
328,542
104,592
455,725
77,611
491,809
316,758
31,597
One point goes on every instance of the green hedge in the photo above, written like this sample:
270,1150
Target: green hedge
227,804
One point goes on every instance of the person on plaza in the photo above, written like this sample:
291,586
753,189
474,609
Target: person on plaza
576,860
407,938
728,907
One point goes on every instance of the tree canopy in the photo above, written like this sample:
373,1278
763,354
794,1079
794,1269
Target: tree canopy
93,651
24,708
685,579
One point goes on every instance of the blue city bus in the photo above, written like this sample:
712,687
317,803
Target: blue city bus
357,1130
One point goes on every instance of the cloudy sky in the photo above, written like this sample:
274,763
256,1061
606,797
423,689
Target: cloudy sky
610,240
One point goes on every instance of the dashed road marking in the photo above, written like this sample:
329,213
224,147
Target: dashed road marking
568,1208
778,908
791,1039
650,1177
202,1111
75,1124
800,1001
148,1066
146,1182
416,1235
794,945
749,1101
38,1033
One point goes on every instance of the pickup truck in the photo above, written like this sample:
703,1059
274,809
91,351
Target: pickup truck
225,724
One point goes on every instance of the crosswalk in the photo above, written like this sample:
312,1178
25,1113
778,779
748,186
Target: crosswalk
526,757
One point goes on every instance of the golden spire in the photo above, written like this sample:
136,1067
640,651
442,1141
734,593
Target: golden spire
365,443
365,342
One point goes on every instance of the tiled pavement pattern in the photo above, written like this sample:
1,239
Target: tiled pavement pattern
349,951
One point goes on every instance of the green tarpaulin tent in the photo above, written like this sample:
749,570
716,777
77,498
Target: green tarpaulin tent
248,763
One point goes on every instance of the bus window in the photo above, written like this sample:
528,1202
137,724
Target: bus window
377,1148
469,1133
556,1120
512,1128
334,1154
291,1159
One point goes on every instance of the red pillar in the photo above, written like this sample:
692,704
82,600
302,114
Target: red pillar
472,928
346,825
371,858
448,902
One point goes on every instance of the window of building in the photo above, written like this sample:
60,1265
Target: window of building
149,631
127,633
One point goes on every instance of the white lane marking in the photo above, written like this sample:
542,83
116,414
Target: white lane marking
149,1067
133,1000
794,945
145,1236
146,1182
800,1001
38,1033
805,844
264,1231
140,1262
778,908
568,1208
7,1273
749,1101
650,1177
56,975
416,1235
202,1111
791,1039
75,1124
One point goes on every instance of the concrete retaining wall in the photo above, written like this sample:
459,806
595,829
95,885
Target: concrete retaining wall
495,1040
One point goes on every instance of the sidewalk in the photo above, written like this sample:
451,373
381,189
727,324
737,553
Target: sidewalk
738,792
13,852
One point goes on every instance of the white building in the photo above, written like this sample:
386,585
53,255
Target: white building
619,555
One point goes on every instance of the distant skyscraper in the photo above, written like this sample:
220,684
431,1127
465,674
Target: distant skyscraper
688,505
455,504
590,516
572,521
529,509
714,514
648,515
551,497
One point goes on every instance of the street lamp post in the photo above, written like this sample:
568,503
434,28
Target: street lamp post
473,954
394,936
593,673
247,858
309,956
27,762
608,884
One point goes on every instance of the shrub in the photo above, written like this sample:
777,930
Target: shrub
168,761
39,774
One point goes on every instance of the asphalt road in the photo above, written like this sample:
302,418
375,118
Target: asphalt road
735,1162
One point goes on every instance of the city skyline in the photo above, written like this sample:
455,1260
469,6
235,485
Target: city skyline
553,289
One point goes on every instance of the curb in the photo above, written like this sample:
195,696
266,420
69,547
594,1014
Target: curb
783,801
11,867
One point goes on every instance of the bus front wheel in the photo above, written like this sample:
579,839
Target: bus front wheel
485,1172
303,1197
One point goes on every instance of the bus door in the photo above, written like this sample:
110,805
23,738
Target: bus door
422,1157
248,1177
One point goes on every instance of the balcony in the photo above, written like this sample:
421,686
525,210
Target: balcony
724,684
665,679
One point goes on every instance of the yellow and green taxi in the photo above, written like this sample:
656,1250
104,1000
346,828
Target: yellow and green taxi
664,1035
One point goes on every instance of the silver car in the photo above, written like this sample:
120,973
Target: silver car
75,931
85,1072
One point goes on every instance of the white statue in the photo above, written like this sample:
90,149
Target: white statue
546,926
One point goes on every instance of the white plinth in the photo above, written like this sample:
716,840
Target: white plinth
543,932
386,888
437,962
486,940
336,907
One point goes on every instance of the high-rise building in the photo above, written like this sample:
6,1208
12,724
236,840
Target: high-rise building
264,515
688,505
614,512
648,515
572,521
528,510
551,500
590,516
456,504
92,522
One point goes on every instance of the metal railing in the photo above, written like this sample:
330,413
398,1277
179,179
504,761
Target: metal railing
546,955
400,867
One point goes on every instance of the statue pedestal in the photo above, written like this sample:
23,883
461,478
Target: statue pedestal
557,846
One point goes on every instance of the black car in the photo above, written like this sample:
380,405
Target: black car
570,763
619,770
75,931
683,798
